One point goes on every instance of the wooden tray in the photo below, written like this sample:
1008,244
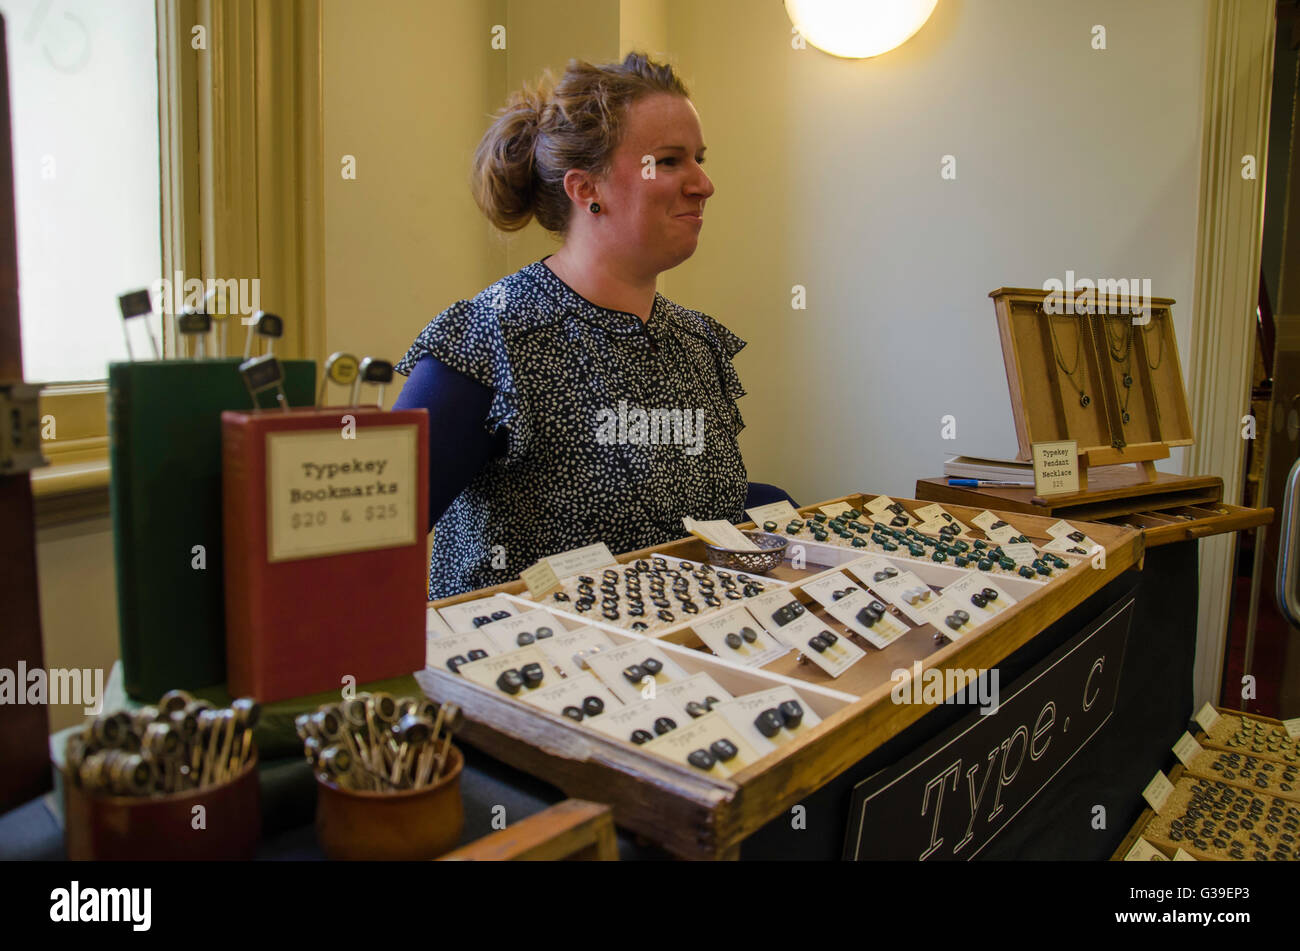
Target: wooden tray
1046,404
695,815
1172,508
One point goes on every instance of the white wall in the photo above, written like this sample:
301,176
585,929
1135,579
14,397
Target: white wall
828,175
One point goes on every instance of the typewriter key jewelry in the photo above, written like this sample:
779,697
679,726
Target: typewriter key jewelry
1121,353
375,743
1084,399
646,595
179,745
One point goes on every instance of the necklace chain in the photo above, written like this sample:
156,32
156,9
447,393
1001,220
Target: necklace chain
1060,360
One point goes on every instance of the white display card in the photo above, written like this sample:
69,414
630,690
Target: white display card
715,629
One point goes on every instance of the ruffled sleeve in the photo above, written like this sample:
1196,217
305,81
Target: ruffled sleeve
725,345
467,337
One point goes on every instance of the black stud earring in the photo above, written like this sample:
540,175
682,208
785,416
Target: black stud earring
595,208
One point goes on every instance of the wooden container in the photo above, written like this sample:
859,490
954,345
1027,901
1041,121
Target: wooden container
409,825
698,815
162,828
1046,400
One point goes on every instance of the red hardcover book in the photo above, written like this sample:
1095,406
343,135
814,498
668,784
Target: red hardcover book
325,515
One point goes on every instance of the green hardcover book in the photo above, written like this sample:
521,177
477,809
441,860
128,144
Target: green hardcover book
164,427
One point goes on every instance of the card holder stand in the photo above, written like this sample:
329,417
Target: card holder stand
326,522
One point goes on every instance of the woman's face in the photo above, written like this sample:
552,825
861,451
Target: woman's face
652,207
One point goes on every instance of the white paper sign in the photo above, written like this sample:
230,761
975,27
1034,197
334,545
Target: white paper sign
326,495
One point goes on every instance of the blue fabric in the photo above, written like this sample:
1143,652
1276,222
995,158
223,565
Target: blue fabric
760,493
459,444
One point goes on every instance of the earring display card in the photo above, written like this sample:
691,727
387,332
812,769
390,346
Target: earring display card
710,744
164,429
1111,381
325,517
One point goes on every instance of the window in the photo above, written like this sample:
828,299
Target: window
83,88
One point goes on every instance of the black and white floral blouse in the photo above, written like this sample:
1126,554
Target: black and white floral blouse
615,428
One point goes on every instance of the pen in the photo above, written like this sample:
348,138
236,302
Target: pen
981,483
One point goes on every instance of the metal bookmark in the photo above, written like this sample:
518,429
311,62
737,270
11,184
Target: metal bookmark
372,371
267,326
262,373
137,304
340,368
193,323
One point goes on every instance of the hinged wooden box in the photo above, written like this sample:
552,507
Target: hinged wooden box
701,814
1111,382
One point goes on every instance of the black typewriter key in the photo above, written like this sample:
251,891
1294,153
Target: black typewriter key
510,681
791,713
701,759
634,674
733,641
454,663
723,750
709,701
696,709
818,643
866,618
573,713
1220,843
690,607
544,632
651,666
1230,825
769,723
665,725
499,615
659,602
477,654
640,626
953,621
593,706
610,614
733,595
1176,835
524,638
636,610
559,596
749,634
532,674
752,590
711,601
665,615
642,736
1270,828
978,600
481,620
828,637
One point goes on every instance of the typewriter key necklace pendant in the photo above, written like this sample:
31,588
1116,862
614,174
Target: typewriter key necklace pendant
1069,372
1121,352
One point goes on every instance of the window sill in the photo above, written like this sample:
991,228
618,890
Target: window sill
70,491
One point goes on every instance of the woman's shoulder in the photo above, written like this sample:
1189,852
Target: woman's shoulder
516,303
699,324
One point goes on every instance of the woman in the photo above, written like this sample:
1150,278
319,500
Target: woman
570,403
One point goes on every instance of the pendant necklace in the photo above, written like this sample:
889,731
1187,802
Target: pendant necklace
1060,361
1121,351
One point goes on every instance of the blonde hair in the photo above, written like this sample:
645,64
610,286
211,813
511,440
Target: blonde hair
547,128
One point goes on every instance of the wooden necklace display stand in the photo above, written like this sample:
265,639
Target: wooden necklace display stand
1122,401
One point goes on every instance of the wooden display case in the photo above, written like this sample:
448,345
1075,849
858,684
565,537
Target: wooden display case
1057,362
697,815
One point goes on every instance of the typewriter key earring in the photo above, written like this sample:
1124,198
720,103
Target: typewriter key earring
410,731
451,723
335,763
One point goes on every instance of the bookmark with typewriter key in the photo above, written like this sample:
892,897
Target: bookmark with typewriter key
262,373
379,372
137,304
267,326
193,323
340,368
